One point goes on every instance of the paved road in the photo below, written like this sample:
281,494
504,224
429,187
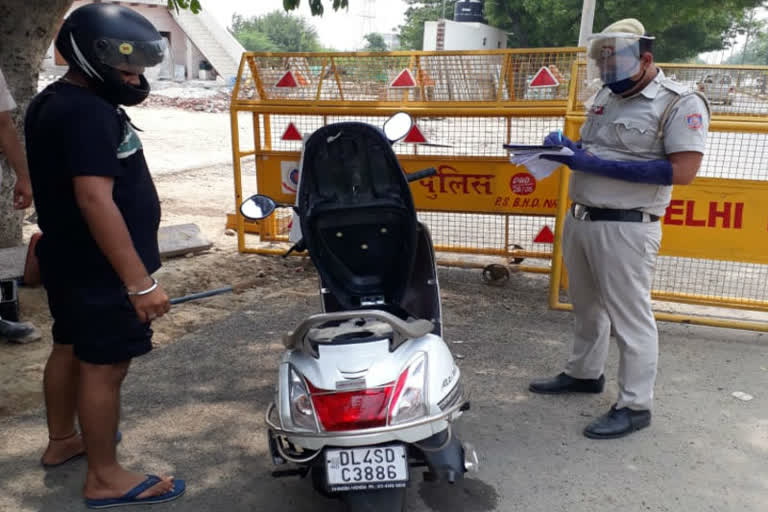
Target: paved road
195,409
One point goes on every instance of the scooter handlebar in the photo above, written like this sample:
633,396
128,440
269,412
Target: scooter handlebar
419,175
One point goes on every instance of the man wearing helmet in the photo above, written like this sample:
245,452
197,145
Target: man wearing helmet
99,213
643,134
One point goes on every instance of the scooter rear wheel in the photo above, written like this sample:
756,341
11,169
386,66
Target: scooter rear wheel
390,500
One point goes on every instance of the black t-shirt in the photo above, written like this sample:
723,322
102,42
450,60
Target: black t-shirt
71,132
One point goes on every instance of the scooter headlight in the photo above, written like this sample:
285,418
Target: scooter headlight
409,401
302,413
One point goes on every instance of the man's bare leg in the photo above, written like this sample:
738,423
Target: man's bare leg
99,408
60,391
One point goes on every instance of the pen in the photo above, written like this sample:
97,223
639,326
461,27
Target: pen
560,135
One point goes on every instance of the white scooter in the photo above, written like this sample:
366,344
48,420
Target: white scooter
367,389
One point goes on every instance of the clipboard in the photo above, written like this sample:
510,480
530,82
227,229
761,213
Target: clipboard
533,147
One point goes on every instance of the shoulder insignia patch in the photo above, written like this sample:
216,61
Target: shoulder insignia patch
693,121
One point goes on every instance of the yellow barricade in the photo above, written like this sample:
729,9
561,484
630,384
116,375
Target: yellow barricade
466,105
714,247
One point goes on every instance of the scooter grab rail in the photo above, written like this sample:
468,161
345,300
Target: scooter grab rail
403,330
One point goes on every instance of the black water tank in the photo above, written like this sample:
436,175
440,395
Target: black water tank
468,11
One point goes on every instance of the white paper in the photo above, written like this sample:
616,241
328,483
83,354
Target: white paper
540,168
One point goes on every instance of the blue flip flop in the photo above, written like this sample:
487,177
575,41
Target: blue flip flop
118,438
130,498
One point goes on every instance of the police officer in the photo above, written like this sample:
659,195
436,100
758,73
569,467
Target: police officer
643,134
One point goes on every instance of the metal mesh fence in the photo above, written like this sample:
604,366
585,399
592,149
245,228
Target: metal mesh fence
433,77
453,136
739,282
486,234
735,155
731,91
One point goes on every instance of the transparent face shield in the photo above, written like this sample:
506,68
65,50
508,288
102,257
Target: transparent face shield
130,56
613,57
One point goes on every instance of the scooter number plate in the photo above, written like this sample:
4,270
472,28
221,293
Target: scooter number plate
374,467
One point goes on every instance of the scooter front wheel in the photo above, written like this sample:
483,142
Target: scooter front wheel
390,500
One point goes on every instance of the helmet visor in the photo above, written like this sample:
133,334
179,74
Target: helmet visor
131,56
613,57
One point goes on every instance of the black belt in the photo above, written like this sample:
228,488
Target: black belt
583,212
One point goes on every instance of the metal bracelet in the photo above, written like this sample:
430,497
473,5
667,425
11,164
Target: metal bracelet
149,290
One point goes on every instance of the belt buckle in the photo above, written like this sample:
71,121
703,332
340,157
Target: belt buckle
580,211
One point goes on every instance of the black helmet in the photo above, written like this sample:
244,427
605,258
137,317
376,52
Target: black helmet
99,40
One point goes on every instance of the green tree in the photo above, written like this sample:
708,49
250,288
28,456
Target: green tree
419,11
374,43
754,49
275,31
316,6
683,28
192,5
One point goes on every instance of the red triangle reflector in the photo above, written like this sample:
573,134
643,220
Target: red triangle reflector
404,79
291,133
545,236
415,136
544,78
287,80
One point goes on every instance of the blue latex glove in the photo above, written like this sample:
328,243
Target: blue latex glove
558,139
655,172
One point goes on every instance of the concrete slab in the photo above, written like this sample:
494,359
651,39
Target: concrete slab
12,262
181,239
174,240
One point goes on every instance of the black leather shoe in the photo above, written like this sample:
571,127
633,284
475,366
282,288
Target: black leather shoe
617,423
566,384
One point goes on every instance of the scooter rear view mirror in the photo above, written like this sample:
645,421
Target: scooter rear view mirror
398,126
258,207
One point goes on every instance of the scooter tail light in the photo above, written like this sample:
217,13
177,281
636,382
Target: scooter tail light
351,410
302,413
409,399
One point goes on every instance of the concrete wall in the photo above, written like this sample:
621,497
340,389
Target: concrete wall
430,36
464,36
156,11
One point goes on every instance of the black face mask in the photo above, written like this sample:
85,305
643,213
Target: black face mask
625,85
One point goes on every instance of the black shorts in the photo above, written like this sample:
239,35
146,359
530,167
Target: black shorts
100,322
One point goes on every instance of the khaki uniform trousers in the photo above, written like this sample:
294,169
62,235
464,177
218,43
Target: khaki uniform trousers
610,271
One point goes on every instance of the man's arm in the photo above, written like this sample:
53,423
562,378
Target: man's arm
11,146
107,226
685,165
677,169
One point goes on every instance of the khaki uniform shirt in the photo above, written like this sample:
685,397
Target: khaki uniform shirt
628,129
